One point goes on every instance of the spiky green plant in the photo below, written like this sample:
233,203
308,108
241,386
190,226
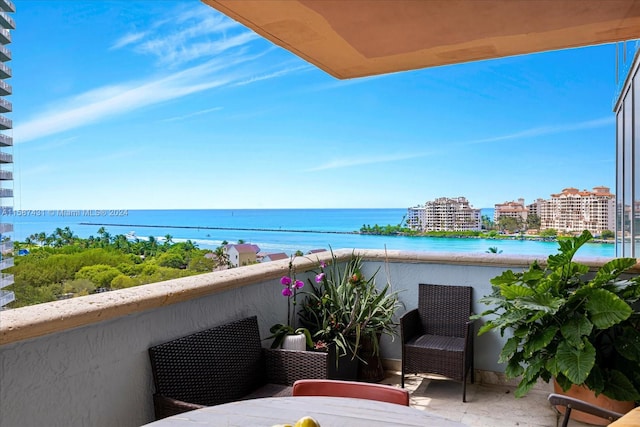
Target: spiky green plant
343,307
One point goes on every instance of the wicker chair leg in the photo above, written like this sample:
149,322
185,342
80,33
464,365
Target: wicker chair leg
464,385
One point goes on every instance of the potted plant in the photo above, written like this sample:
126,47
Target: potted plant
345,310
578,327
287,335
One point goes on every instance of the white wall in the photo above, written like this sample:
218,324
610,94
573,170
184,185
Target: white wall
99,374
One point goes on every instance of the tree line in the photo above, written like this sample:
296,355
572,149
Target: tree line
63,265
490,229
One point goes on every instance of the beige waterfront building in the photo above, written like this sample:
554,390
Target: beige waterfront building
513,209
444,214
572,210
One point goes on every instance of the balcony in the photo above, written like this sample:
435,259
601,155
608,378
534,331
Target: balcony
6,21
5,157
5,298
5,88
5,71
5,54
6,140
6,248
6,176
7,6
6,263
79,361
6,279
5,35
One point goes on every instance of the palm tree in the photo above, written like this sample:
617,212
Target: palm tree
494,250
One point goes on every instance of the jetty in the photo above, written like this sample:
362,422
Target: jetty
197,227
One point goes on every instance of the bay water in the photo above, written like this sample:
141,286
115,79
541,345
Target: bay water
273,230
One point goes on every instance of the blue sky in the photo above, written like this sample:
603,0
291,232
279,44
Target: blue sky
169,104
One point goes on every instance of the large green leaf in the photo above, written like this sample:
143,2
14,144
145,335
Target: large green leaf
532,276
524,387
513,291
507,277
568,248
542,302
595,381
535,365
606,309
575,329
540,340
510,347
514,368
552,366
619,387
576,363
612,270
628,344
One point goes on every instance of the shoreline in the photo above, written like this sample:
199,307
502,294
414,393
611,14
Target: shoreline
193,227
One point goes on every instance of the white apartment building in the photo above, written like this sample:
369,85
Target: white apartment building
573,210
444,214
511,209
6,154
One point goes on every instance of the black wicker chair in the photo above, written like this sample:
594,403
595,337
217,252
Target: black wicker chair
437,337
224,364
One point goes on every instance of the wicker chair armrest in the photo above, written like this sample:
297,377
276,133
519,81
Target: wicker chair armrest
287,366
575,404
410,325
165,406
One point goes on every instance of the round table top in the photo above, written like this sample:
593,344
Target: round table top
328,411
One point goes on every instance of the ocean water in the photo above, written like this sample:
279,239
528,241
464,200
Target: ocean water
273,230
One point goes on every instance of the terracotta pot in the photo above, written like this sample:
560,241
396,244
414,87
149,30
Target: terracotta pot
583,393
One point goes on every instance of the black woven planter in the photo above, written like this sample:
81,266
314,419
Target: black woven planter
346,367
370,367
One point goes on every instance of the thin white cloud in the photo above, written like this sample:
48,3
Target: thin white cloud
102,103
273,75
191,34
548,130
110,101
359,161
197,113
55,144
219,45
127,39
543,130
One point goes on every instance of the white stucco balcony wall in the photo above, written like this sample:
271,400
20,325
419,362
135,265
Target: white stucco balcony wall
84,361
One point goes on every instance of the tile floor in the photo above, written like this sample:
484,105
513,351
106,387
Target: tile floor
487,405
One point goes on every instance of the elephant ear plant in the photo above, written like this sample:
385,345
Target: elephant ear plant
570,324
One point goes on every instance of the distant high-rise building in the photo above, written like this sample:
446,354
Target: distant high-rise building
6,154
510,209
445,214
573,210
